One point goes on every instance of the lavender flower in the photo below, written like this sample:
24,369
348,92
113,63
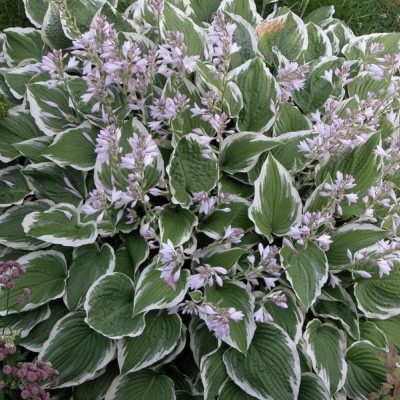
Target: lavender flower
218,319
262,315
171,261
291,78
206,274
232,236
206,203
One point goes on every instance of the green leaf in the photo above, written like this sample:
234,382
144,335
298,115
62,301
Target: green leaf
22,44
390,327
189,171
26,321
389,40
18,78
137,247
352,237
271,350
231,391
176,20
306,269
316,89
363,164
60,225
13,186
50,108
153,293
378,297
213,372
76,350
11,230
205,11
326,346
157,340
176,224
52,30
214,224
232,295
246,9
32,148
259,90
109,305
371,333
49,181
40,333
35,11
45,276
17,127
312,388
290,119
277,205
74,147
366,371
290,319
244,36
222,257
286,32
340,311
240,151
97,388
202,341
320,15
319,44
88,264
146,385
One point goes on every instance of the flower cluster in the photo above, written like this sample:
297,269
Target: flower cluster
31,378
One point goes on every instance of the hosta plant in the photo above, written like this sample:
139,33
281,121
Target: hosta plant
204,197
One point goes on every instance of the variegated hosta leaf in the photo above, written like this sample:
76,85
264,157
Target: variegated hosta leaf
61,185
344,312
11,231
378,297
153,293
260,91
13,186
60,225
35,11
231,391
277,205
246,9
40,333
390,41
176,224
270,350
366,370
145,385
316,89
213,372
326,346
363,164
32,148
312,388
306,269
290,319
76,350
22,44
319,44
88,264
286,31
190,171
214,225
158,339
176,20
202,341
137,248
26,321
240,151
45,275
290,119
370,332
74,147
390,328
50,108
352,237
109,305
233,295
17,127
